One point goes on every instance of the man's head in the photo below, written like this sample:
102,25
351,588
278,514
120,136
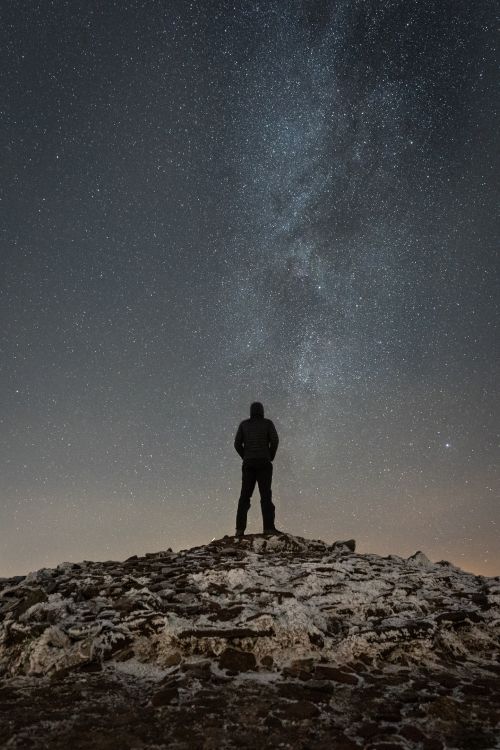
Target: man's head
256,409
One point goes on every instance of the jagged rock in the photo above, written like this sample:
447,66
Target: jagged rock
309,642
350,544
30,598
459,616
419,558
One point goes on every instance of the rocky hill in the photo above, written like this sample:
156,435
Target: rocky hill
260,642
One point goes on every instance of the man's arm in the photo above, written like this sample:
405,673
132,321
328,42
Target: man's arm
238,442
273,440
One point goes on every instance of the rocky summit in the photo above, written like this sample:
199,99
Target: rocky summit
260,642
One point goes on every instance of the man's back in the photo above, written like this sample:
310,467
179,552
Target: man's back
256,438
256,442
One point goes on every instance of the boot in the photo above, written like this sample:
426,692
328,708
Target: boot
240,532
273,530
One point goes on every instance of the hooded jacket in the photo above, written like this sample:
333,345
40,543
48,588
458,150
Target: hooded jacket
256,437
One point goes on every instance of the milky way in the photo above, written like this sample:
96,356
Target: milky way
206,204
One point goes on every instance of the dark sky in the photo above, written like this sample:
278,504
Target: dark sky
209,203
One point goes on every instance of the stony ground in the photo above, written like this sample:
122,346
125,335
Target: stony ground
264,642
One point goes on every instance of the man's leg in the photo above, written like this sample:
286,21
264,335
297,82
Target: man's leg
264,478
248,479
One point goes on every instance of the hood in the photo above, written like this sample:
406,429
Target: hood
256,409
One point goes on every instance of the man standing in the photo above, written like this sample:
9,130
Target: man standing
256,442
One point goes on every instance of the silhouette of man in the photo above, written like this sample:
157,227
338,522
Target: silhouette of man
256,442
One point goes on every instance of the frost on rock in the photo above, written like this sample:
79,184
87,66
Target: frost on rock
55,650
312,642
278,597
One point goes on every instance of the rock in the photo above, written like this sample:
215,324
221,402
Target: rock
16,633
445,708
342,743
125,604
458,616
291,690
30,598
432,743
119,642
8,694
329,630
124,654
476,689
315,692
272,722
350,544
200,669
164,586
325,672
300,674
172,659
389,713
223,615
298,710
90,666
164,696
448,681
316,639
413,733
225,633
367,729
88,591
419,558
237,661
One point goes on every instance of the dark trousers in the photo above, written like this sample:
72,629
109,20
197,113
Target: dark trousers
252,471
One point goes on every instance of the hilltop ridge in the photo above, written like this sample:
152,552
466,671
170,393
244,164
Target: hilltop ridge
326,635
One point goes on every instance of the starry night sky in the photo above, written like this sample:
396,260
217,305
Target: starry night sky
209,203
